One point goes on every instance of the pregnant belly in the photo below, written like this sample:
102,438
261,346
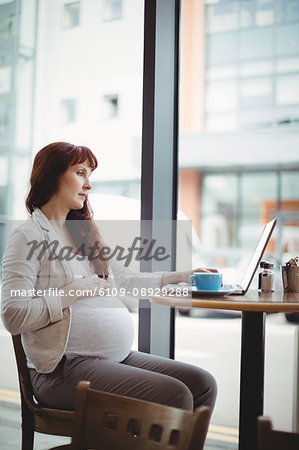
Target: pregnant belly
101,326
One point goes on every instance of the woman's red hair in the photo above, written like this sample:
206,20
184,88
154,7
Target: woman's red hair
48,166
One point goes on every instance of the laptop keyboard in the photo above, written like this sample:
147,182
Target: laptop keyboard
235,287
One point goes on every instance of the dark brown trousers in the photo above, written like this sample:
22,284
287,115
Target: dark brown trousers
140,375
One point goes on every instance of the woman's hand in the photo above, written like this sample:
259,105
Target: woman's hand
186,275
83,287
204,269
177,277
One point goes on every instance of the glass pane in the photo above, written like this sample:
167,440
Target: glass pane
4,112
287,39
287,10
221,96
248,13
219,204
252,118
221,72
110,106
287,90
259,203
287,115
287,65
252,69
221,122
21,171
290,186
7,18
28,23
112,10
222,48
71,13
68,110
3,174
265,13
24,99
256,43
257,189
256,92
222,17
258,13
290,213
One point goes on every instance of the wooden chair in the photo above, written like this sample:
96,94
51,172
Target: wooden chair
35,417
112,422
269,439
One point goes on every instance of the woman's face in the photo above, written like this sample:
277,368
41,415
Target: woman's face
74,185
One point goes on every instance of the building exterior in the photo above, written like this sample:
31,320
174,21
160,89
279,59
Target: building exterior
239,155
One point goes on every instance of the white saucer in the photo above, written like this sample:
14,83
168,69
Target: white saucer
220,293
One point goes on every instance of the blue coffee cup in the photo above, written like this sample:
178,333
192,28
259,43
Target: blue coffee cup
206,281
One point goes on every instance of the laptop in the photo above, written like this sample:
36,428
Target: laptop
242,288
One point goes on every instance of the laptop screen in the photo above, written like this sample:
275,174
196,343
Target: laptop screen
258,253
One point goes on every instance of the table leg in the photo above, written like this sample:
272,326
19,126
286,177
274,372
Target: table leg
252,377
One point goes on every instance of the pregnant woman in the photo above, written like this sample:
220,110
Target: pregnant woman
68,337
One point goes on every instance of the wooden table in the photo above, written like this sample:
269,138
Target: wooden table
253,305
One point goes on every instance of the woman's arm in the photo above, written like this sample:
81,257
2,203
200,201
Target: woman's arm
21,309
143,281
177,277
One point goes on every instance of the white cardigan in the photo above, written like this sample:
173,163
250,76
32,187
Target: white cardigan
41,321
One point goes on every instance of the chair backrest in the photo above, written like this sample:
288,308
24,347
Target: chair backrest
269,439
104,420
23,372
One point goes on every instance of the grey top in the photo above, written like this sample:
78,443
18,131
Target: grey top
40,319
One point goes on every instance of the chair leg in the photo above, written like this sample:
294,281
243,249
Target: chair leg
27,428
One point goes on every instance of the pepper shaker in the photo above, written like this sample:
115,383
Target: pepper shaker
266,277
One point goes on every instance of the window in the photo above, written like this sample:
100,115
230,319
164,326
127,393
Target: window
7,18
265,13
68,110
71,13
4,115
287,65
289,211
287,90
256,117
252,69
222,17
290,186
221,96
256,92
227,121
256,43
258,14
247,14
287,10
287,42
221,72
110,106
112,10
222,48
219,206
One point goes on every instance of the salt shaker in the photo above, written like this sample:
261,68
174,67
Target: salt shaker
266,277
